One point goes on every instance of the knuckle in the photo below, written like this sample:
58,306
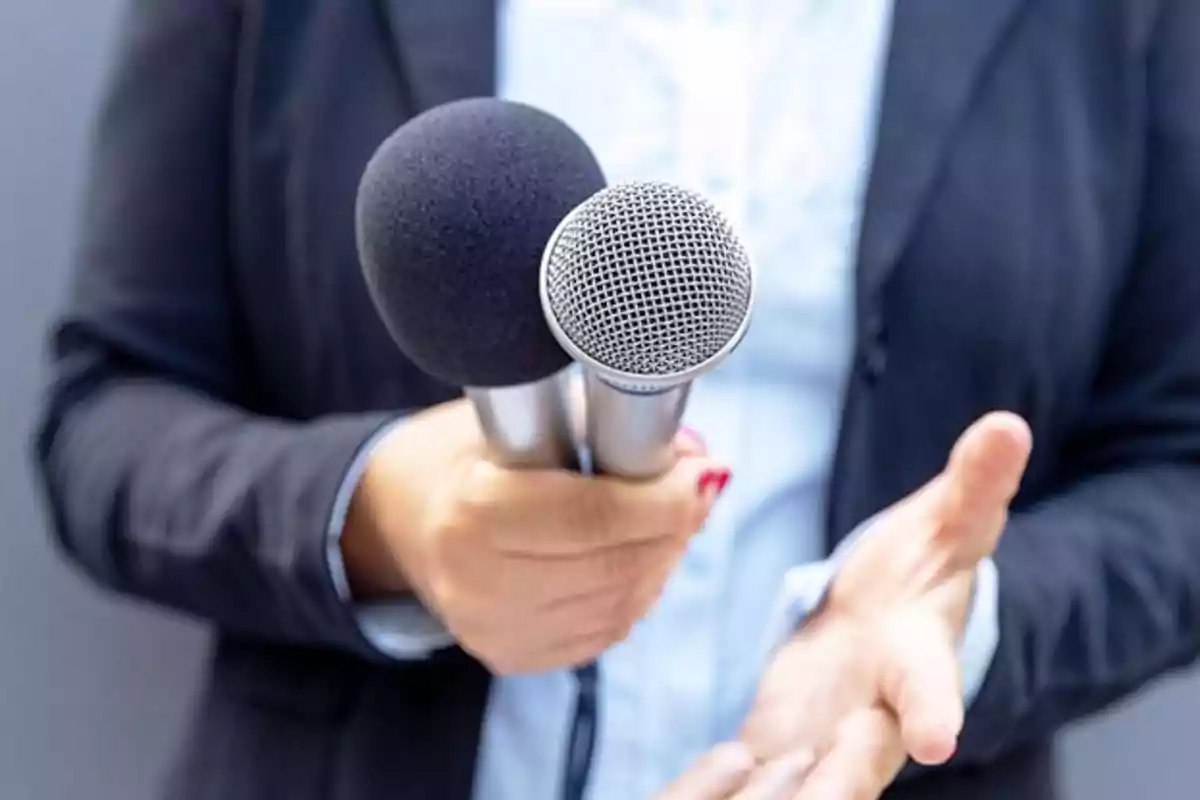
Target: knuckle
477,498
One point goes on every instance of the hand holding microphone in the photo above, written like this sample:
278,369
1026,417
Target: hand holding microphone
529,569
475,507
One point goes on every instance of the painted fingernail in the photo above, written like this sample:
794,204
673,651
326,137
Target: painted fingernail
713,482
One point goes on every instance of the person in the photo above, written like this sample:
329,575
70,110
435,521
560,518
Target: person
965,423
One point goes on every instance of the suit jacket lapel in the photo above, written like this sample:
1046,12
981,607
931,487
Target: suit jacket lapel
446,49
940,49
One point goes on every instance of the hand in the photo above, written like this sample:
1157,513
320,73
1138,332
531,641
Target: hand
873,676
529,570
728,772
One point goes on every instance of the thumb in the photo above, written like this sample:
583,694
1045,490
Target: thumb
981,478
922,685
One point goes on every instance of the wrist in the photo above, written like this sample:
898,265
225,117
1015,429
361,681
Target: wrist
369,536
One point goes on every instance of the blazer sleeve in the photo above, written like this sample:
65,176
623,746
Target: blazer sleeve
1100,584
160,481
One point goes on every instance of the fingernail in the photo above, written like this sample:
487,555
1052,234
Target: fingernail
712,483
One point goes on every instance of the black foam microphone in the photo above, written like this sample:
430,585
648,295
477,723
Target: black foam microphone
453,215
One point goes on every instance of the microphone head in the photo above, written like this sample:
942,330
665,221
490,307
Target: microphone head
453,213
647,285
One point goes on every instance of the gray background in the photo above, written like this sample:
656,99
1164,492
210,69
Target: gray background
92,690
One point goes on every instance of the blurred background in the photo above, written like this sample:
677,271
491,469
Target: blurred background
92,690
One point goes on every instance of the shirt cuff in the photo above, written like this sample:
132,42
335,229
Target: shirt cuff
401,628
805,587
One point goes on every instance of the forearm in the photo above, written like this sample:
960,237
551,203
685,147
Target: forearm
163,494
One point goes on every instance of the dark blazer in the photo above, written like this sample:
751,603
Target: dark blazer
1032,242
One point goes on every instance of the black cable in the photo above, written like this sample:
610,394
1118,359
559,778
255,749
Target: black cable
581,743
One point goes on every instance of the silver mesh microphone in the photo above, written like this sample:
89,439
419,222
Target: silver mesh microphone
645,285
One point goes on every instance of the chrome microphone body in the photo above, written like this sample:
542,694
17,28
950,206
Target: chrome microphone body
528,426
630,433
647,286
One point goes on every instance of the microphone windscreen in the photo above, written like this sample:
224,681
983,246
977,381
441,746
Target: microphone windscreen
453,214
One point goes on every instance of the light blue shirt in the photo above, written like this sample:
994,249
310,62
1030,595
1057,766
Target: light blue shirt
768,107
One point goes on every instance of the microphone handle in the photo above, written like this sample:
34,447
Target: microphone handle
631,433
528,426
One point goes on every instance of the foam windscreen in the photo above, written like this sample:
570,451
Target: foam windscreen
453,214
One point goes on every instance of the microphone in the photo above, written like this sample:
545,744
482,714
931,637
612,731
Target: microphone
452,216
647,286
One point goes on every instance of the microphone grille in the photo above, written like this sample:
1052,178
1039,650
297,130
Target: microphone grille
647,279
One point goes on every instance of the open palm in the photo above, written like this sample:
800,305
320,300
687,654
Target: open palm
873,677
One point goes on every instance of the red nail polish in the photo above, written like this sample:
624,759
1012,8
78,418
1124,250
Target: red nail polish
712,481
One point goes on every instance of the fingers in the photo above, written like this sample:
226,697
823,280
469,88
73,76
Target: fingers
779,779
981,478
538,569
559,513
864,762
558,611
728,772
715,776
533,581
922,685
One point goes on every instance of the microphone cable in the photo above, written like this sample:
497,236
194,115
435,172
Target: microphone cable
585,716
581,743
